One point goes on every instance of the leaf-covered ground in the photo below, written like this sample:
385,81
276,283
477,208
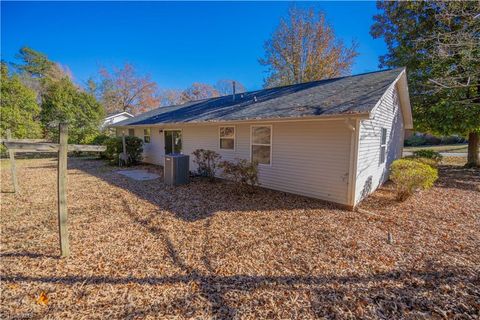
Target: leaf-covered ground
142,250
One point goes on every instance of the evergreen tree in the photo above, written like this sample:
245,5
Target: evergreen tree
19,108
37,65
63,102
438,42
37,71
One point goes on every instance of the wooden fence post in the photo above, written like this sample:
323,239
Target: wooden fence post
62,192
33,145
13,167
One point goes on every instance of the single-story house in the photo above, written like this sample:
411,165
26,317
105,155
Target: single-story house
114,118
331,139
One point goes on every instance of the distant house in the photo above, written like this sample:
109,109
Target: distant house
114,118
332,139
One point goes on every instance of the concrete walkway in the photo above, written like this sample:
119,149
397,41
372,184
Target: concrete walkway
139,175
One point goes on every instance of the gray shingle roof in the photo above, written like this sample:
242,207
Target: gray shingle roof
355,94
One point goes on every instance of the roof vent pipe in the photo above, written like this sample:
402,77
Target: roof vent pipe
233,90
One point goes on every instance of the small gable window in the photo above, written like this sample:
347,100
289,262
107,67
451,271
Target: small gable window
383,145
146,135
227,138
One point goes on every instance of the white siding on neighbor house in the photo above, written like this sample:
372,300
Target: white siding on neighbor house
370,172
309,158
114,119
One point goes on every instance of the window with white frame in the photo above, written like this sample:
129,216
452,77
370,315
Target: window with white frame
146,135
261,144
227,138
383,145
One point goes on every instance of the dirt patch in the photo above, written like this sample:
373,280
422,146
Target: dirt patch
141,249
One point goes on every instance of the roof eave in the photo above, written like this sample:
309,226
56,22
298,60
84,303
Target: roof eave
284,119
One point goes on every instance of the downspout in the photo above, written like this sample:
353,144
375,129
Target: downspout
352,177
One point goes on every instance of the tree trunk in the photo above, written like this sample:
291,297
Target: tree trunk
472,157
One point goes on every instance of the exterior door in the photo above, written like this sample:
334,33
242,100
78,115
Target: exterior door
173,141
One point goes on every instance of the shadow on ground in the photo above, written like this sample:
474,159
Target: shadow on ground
193,202
199,199
458,177
393,294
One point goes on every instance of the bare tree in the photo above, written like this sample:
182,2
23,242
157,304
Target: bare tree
198,91
225,87
169,97
122,89
304,48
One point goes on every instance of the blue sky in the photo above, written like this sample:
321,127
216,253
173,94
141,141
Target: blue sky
177,43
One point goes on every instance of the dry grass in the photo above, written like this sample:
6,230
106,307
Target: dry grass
143,250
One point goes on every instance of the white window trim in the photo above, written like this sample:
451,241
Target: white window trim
261,144
149,136
384,145
234,138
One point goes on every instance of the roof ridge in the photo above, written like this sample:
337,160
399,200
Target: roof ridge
327,79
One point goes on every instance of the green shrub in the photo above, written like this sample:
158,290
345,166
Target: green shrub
207,162
243,172
3,151
453,140
100,139
134,148
431,162
113,149
411,175
432,140
415,141
429,154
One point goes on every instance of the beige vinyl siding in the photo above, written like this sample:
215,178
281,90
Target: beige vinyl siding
153,151
309,158
370,172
